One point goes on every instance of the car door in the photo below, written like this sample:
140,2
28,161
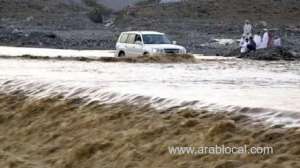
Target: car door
138,45
121,44
130,51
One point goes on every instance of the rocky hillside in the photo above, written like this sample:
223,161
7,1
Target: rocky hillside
193,23
196,24
55,23
275,12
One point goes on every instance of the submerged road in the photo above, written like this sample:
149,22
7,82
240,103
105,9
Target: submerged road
68,53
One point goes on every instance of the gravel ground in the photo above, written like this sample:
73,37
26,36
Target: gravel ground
195,26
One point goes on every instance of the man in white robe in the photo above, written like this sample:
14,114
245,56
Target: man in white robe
277,42
247,29
242,41
258,40
265,39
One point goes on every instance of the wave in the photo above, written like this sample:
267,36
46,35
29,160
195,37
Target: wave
90,95
50,125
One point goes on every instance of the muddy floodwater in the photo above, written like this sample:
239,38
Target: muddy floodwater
263,90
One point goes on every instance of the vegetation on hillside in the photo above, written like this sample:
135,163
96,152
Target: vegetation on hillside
97,11
256,9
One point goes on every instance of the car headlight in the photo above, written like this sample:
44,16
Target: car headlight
157,50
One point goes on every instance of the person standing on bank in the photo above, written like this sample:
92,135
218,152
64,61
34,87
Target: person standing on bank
265,39
258,40
270,42
244,46
247,29
251,45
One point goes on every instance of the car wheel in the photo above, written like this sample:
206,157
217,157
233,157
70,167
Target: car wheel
121,54
146,54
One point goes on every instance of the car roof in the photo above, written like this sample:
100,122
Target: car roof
144,32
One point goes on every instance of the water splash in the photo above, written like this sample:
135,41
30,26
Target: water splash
266,91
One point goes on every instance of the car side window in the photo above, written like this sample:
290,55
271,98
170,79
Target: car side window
138,38
123,38
130,39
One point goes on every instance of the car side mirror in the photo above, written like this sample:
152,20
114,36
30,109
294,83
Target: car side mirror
138,43
174,42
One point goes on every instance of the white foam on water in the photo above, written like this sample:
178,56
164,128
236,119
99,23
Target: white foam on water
46,52
270,90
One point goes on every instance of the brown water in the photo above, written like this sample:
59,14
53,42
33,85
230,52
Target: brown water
263,90
71,114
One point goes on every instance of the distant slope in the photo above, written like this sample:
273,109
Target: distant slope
113,4
227,9
193,23
117,4
197,23
17,9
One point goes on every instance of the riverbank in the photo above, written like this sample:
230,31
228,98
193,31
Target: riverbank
268,54
196,26
59,132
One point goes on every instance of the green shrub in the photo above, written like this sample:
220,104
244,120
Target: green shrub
97,11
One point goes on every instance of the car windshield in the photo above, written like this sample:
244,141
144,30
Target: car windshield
155,39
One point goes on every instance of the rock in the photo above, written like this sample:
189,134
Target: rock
268,54
30,18
263,23
46,9
14,31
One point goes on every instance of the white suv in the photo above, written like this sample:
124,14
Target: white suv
139,43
